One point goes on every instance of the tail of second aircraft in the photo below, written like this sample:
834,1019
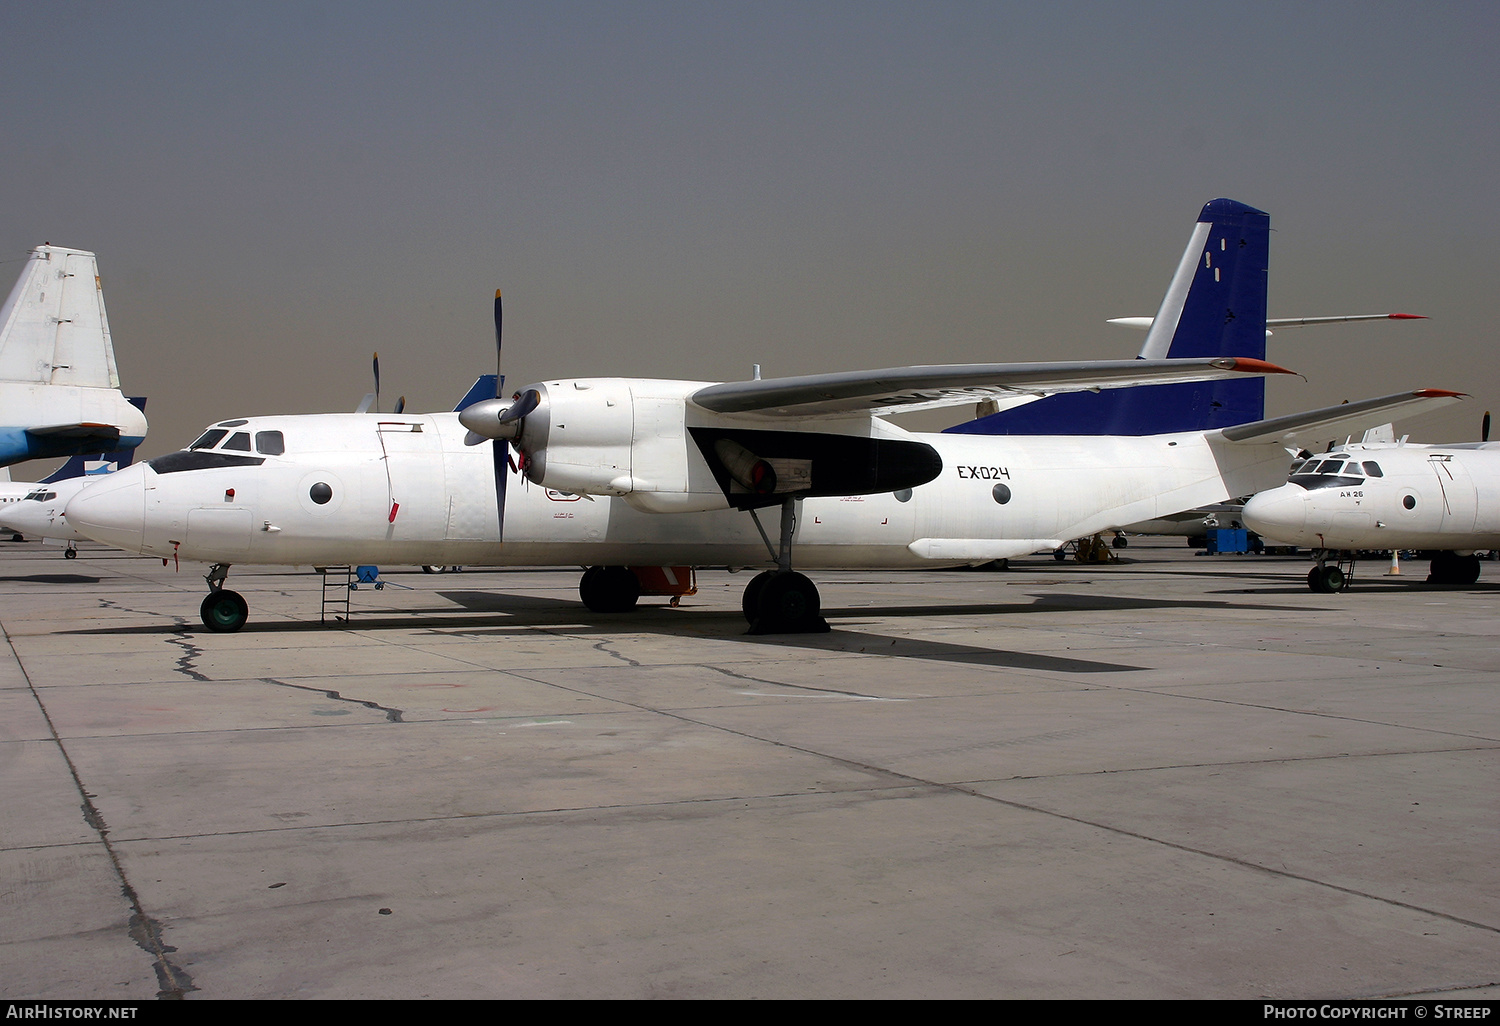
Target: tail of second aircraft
53,329
59,386
1215,306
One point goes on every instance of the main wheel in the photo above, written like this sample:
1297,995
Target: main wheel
70,553
750,602
1451,568
789,604
224,611
609,589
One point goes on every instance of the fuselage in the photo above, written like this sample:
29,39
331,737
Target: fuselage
1386,497
365,488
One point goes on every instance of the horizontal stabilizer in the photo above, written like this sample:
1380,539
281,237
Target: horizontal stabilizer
104,432
908,389
1337,421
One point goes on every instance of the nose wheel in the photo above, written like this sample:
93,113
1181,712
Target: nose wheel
223,611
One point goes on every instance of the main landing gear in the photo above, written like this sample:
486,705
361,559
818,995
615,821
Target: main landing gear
223,611
782,601
609,589
1451,568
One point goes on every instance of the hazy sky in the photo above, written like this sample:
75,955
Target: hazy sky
683,189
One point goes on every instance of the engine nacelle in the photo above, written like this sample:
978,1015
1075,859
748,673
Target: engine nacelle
617,436
644,440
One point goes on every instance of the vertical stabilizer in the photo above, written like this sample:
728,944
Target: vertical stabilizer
1214,306
53,328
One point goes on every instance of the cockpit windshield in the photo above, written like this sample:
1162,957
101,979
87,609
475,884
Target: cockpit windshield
40,495
1335,470
267,443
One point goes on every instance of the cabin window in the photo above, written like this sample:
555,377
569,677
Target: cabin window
1001,493
269,443
320,493
239,441
1410,502
904,495
208,439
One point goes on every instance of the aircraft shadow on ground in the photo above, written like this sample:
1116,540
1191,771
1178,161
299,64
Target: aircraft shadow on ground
501,614
49,579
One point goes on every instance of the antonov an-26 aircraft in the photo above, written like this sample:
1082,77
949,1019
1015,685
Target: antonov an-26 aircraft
640,480
1387,497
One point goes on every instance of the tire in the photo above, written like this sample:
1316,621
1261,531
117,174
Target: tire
1326,579
73,554
750,602
789,604
224,611
609,589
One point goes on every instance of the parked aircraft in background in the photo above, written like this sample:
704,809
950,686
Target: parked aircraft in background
36,509
59,388
635,475
1387,497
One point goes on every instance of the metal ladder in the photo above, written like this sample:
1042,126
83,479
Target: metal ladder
338,582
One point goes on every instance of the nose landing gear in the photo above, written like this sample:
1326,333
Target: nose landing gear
222,611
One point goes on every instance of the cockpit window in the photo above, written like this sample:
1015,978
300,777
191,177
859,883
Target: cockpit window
1331,473
41,495
269,443
209,439
1373,469
239,441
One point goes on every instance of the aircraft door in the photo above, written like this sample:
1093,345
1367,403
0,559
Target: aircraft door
1456,490
414,502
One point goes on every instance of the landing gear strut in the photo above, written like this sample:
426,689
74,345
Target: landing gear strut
223,611
1326,578
782,601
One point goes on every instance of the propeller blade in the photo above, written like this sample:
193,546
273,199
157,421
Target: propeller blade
400,404
1484,427
497,342
522,406
377,382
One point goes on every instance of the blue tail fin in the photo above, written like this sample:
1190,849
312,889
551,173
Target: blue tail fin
483,388
1215,306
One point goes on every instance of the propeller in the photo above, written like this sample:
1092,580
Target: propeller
496,418
1484,427
377,382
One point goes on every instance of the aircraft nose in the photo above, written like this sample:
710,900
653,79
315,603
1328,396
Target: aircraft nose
113,510
1279,514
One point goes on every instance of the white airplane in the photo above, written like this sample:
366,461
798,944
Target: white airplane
59,388
640,480
36,509
1387,497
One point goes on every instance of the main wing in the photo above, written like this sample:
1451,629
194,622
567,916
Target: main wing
908,389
